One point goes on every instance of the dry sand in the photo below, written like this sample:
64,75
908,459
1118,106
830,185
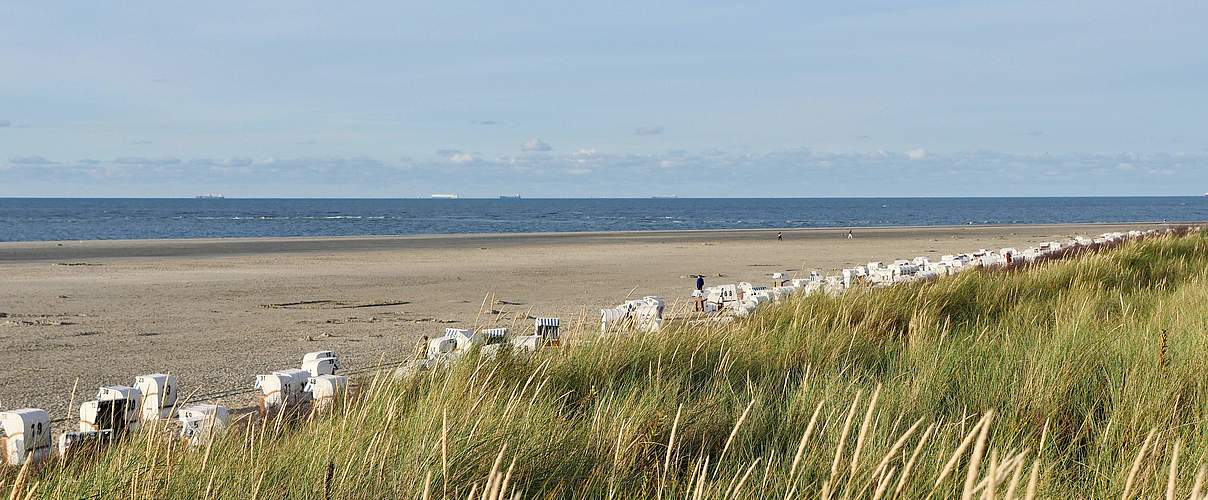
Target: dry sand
216,312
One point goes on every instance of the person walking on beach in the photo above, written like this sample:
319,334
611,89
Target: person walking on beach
698,297
779,236
849,235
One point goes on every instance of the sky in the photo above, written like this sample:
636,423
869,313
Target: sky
572,99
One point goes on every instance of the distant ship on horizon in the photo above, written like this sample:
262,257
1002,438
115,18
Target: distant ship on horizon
444,196
509,197
209,196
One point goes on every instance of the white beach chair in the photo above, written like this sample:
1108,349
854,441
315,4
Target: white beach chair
609,318
281,389
649,314
464,338
320,366
527,344
318,355
159,395
326,390
440,347
24,436
117,408
71,443
200,423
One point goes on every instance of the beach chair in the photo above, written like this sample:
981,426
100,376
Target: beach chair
612,317
441,346
494,336
783,292
491,351
24,436
159,395
527,344
547,328
759,298
76,443
746,289
117,408
199,423
280,390
833,285
649,313
326,390
108,415
464,338
779,279
722,294
744,307
318,355
321,366
848,275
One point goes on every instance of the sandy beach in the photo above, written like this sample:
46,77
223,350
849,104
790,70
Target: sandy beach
216,312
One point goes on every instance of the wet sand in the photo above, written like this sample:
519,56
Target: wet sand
216,312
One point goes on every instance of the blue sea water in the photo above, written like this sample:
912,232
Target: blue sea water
42,219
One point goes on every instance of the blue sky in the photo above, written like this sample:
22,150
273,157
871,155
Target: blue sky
852,98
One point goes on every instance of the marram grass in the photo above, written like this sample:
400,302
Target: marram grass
1072,379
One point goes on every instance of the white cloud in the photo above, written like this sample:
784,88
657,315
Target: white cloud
463,158
30,160
649,130
537,145
458,156
916,153
229,162
139,160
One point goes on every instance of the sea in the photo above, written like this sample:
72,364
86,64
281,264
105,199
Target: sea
50,219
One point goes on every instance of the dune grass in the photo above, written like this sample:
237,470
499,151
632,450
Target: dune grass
1076,378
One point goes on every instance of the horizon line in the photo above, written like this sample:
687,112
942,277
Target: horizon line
652,197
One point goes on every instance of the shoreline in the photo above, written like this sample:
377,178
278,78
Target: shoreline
47,250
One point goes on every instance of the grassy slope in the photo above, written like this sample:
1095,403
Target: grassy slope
878,390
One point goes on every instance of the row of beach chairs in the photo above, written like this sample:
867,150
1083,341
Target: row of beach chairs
644,314
457,342
25,434
26,437
744,298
